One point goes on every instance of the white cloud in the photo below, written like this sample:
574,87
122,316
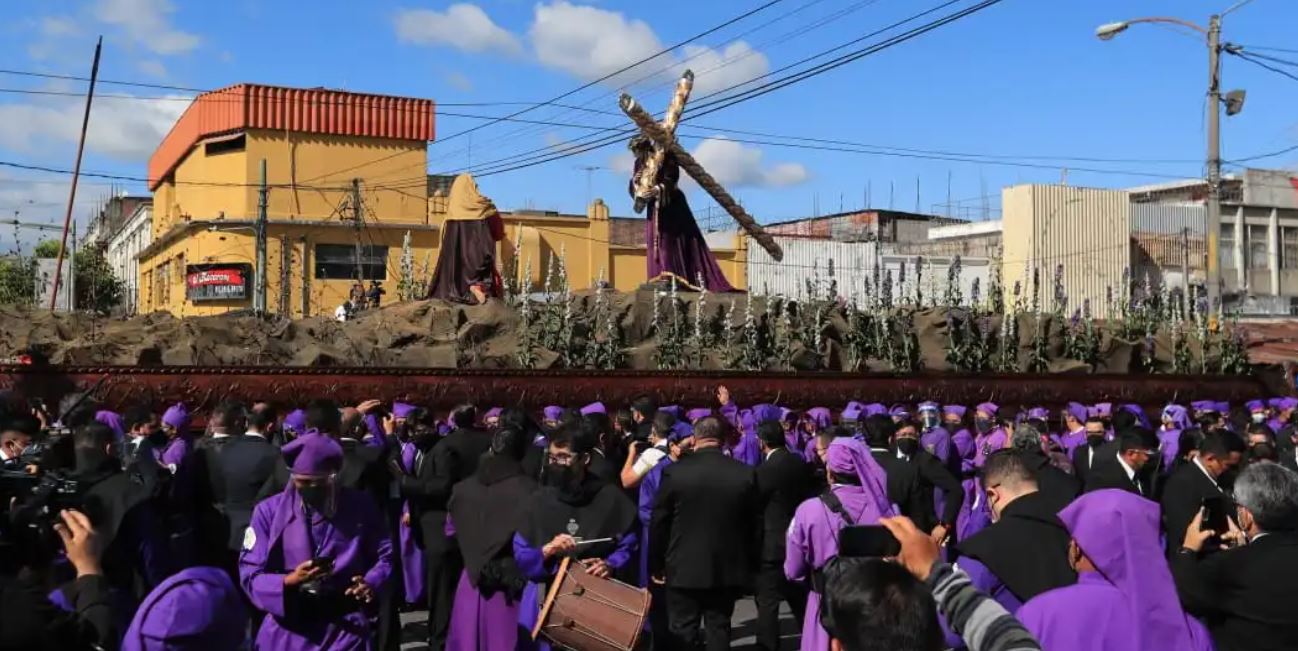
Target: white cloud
462,26
152,68
147,24
735,165
622,162
56,26
127,130
459,81
590,43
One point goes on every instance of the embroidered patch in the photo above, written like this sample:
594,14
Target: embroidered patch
249,539
573,528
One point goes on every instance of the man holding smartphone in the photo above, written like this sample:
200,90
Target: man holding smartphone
1199,482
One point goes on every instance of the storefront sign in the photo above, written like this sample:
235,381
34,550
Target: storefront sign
217,282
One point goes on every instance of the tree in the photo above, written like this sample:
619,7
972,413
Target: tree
98,288
17,281
46,249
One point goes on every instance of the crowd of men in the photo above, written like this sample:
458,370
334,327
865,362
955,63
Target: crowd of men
315,526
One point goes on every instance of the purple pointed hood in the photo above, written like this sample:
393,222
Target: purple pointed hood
196,609
820,417
1119,532
295,422
1179,416
674,410
989,408
1203,405
1038,412
853,411
766,412
1255,405
1077,410
594,408
1138,412
313,454
552,413
113,420
402,409
1100,410
899,411
177,416
849,456
955,410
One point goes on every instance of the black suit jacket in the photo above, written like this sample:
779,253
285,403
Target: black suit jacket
932,474
1082,461
247,462
783,482
706,524
904,490
1108,473
448,461
1183,494
1246,595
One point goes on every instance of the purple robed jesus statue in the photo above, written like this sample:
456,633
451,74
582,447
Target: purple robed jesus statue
676,245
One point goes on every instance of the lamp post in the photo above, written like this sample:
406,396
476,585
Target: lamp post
1212,38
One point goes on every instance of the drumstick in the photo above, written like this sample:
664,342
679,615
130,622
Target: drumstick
593,541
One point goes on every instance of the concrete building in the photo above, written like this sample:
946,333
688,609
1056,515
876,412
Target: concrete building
329,156
124,247
109,216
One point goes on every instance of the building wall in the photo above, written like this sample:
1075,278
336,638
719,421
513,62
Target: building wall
1085,230
124,247
162,281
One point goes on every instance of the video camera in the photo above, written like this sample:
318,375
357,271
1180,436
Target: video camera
37,500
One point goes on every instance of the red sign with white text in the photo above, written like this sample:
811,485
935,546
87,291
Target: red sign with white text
217,282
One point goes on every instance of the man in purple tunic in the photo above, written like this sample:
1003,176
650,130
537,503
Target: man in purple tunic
485,510
198,609
1074,434
175,423
675,243
407,418
857,495
962,444
1174,421
1124,598
316,556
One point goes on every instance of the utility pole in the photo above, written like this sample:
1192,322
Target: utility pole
1214,161
76,173
260,288
1185,262
357,216
285,274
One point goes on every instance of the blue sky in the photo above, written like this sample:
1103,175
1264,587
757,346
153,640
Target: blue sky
1024,81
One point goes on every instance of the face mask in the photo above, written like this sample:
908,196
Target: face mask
1259,417
1094,440
158,438
907,447
316,496
983,425
928,421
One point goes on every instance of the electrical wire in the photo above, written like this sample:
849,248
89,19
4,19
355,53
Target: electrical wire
1258,62
1266,155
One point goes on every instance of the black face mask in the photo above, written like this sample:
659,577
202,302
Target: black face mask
158,438
1095,440
907,447
316,497
983,425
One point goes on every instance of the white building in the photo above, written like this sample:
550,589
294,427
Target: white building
124,247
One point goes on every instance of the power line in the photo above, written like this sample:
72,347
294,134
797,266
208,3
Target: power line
1268,48
1258,62
1266,155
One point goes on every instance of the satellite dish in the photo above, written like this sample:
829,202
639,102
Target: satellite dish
1234,102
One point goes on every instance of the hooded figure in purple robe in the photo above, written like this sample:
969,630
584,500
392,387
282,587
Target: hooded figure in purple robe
899,412
853,412
294,424
747,449
964,448
860,486
989,437
1283,408
486,509
675,244
550,416
412,557
197,609
316,606
1138,412
594,408
175,421
1175,420
1124,598
491,418
1072,438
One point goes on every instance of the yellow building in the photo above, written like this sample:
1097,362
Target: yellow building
329,156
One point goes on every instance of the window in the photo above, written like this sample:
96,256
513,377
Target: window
1226,247
225,144
1257,246
1289,247
338,262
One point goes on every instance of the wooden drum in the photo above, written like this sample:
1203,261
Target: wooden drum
587,613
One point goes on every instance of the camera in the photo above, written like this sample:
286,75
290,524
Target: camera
37,500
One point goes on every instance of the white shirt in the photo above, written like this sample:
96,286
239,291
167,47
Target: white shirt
1131,474
220,435
768,454
647,460
341,313
1207,474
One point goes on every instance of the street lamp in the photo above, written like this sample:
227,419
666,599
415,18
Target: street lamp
1212,36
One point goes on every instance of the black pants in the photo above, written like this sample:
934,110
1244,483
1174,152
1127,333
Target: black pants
687,609
662,640
772,588
444,566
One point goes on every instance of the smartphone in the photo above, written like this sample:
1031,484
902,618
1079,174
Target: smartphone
323,562
1215,515
867,541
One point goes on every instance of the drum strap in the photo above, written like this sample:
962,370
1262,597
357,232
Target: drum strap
831,502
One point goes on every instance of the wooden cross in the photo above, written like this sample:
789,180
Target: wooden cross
663,137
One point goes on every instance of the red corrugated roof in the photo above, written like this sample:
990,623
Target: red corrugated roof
313,110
